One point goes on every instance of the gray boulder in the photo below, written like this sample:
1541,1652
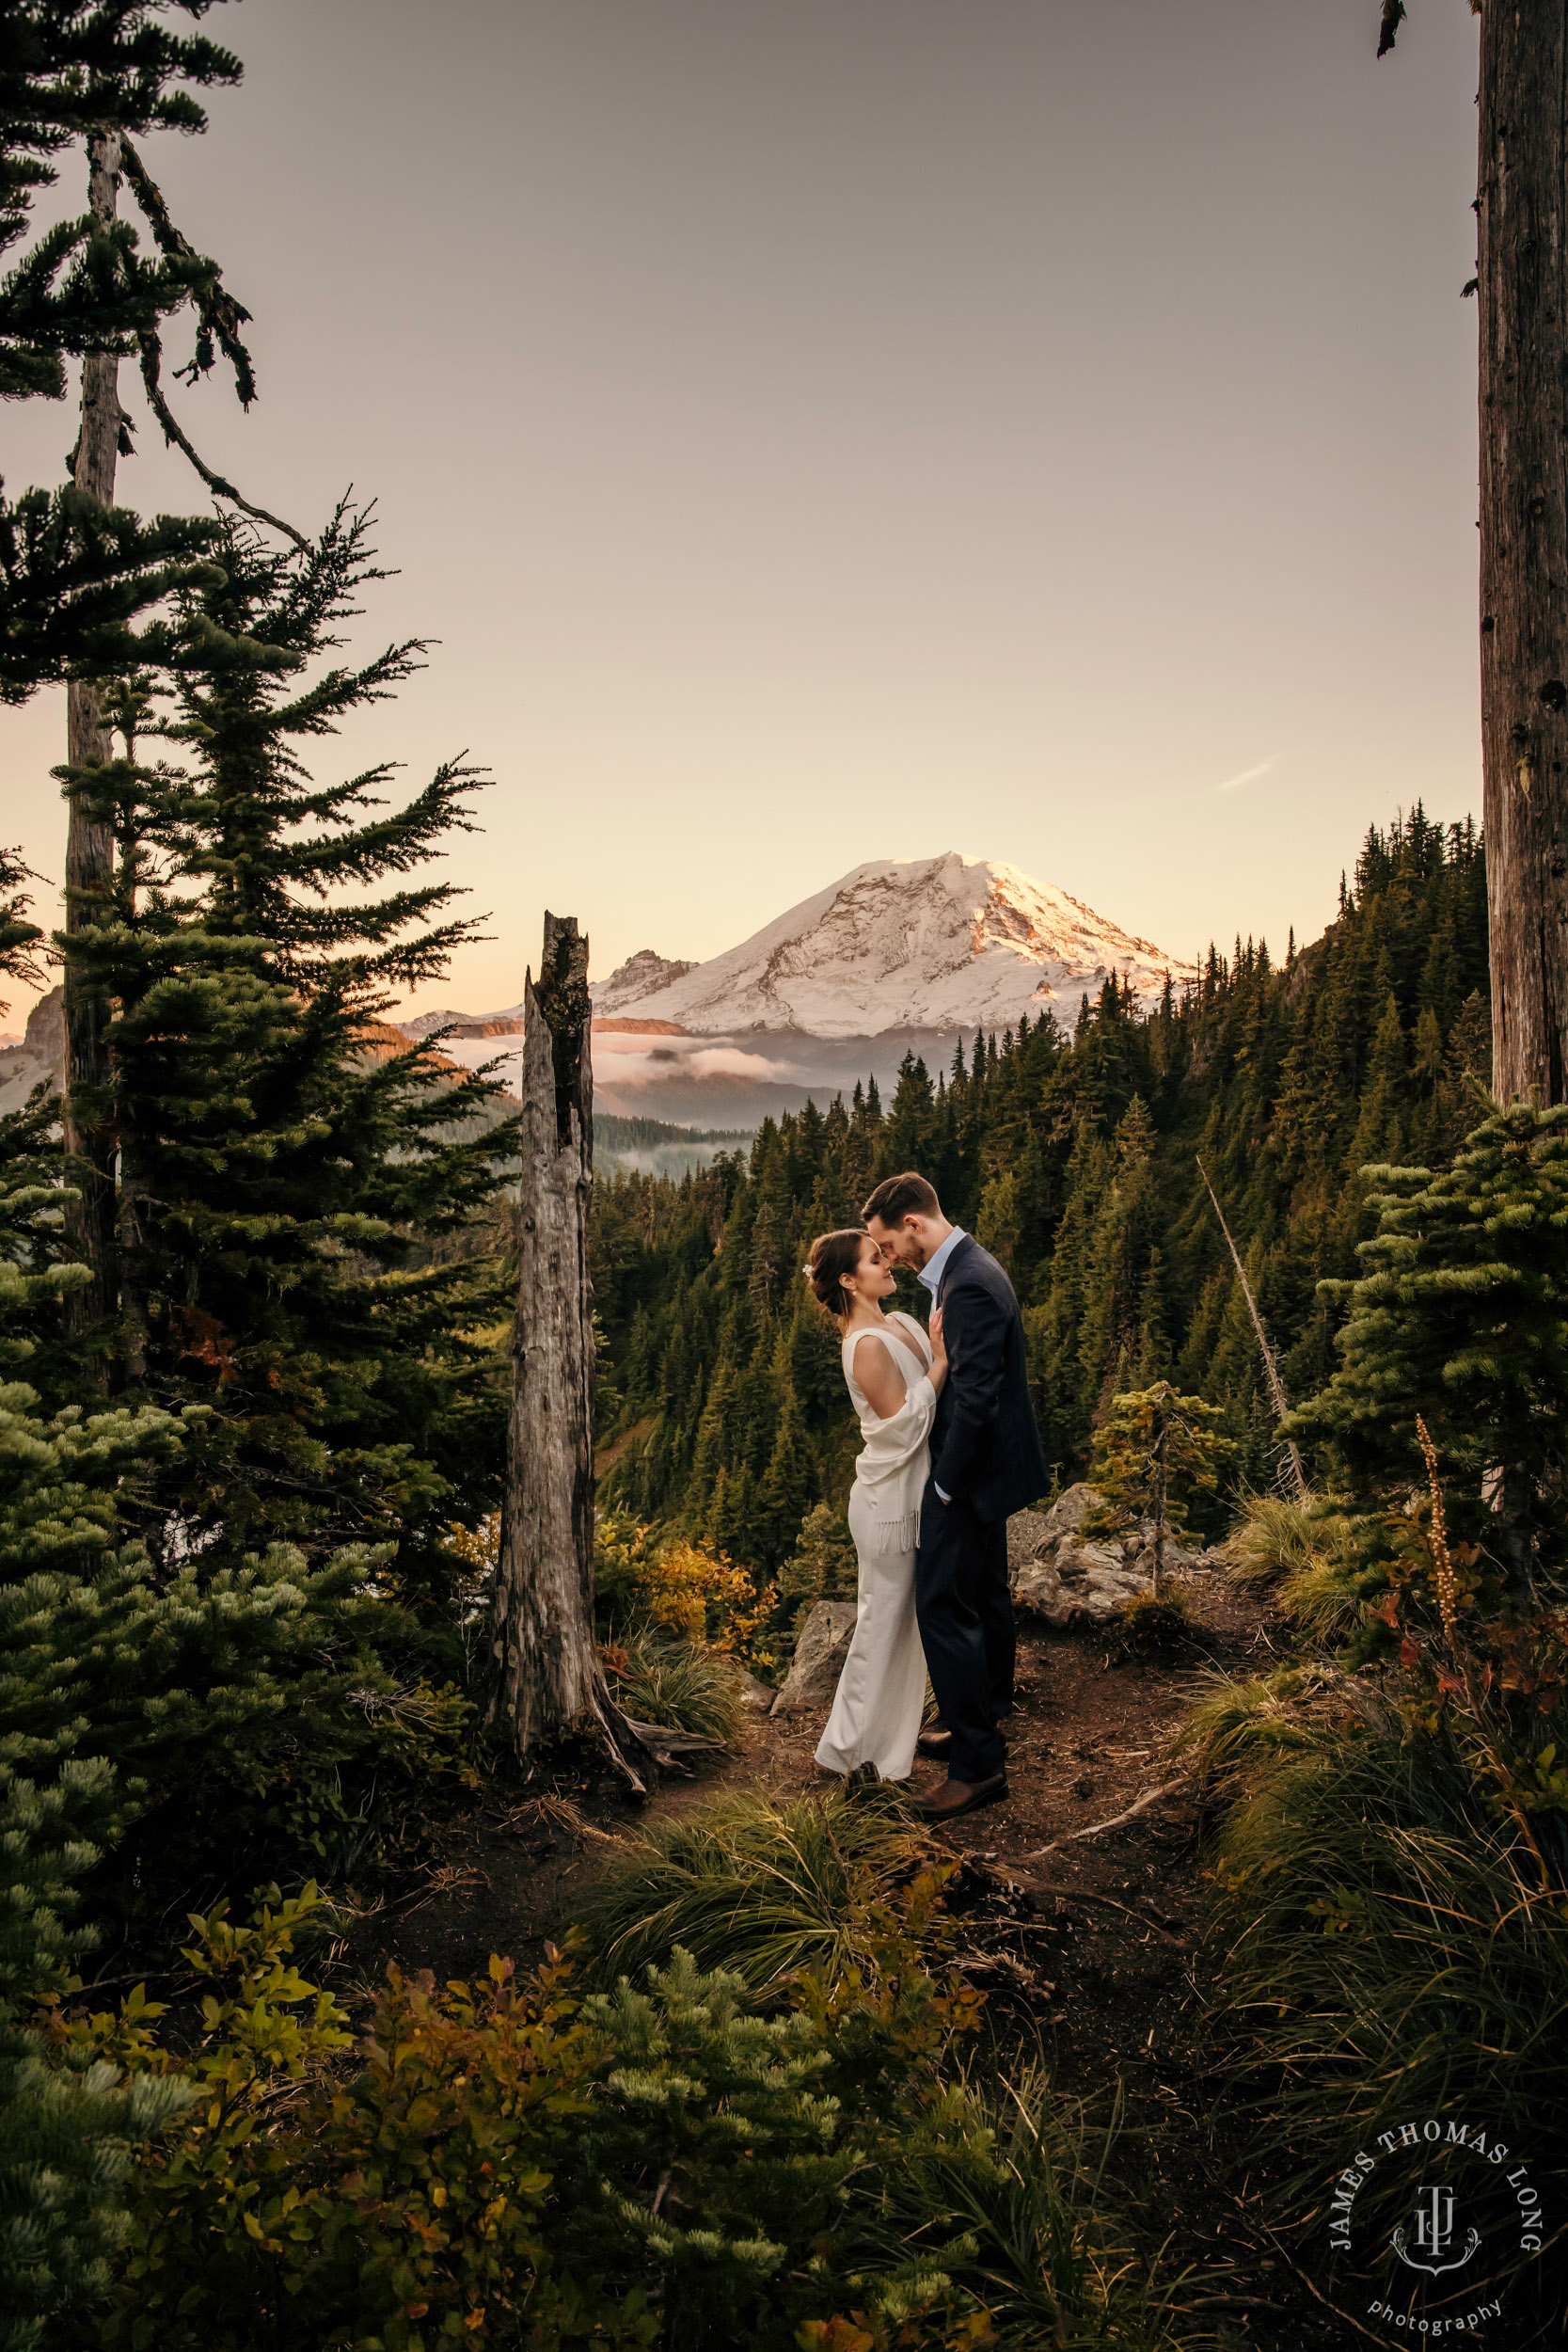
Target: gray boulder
1037,1586
1026,1540
1068,1580
1034,1536
1096,1578
1177,1561
1068,1511
819,1656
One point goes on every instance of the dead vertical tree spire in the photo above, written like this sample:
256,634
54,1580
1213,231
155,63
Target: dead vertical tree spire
1522,205
89,844
1270,1369
545,1674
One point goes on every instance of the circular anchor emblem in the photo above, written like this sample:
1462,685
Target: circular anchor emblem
1423,2221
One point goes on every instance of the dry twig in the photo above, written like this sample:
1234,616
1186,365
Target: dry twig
1150,1796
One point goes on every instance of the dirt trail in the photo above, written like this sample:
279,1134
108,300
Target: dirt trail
1093,1953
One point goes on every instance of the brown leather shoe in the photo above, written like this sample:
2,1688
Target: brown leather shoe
937,1744
960,1796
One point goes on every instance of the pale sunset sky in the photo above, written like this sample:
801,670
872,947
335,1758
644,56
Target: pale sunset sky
822,430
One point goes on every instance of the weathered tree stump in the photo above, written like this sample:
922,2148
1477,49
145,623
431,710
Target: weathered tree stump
546,1676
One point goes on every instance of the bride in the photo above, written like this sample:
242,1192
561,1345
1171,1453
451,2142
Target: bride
894,1374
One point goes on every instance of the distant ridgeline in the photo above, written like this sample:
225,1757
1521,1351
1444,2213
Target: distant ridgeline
611,1132
721,1407
652,1147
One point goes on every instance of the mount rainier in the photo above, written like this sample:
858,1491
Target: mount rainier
939,944
895,956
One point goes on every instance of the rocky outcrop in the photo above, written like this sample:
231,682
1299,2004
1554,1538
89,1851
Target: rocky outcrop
638,976
1070,1579
819,1655
39,1059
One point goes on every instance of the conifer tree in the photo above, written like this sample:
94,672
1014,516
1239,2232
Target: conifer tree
1460,1316
95,75
1158,1457
65,2134
285,1163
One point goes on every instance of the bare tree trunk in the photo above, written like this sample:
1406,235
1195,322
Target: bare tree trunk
1271,1368
1523,275
1162,1448
89,846
545,1674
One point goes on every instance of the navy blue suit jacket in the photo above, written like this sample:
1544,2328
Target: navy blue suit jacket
985,1447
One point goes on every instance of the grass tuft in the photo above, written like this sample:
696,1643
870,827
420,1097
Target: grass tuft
1155,1625
765,1890
1026,2187
661,1678
1303,1556
1390,1951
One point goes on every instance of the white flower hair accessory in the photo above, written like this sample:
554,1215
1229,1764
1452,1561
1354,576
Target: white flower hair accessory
806,1269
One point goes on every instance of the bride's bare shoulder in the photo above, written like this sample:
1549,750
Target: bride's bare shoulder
876,1373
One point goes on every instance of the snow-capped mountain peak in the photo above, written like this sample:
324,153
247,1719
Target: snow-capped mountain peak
636,979
942,943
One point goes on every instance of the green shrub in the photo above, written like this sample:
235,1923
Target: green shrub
764,1890
1309,1559
252,1717
657,2164
652,2165
1237,1727
1024,2186
302,2207
64,2127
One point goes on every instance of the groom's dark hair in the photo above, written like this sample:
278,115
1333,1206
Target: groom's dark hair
898,1197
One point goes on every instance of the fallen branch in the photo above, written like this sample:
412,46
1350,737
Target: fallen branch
560,1815
1108,1903
1150,1796
660,1736
1072,1895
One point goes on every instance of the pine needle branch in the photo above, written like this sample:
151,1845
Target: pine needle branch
1393,17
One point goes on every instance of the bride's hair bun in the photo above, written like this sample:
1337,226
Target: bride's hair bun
832,1256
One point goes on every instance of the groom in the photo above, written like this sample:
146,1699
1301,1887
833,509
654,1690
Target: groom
986,1463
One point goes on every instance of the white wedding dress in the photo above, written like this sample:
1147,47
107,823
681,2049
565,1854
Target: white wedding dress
881,1692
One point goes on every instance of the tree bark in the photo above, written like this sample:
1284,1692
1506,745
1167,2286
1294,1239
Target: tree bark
89,846
545,1674
1523,286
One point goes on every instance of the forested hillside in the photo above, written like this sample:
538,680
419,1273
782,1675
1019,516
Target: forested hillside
1075,1158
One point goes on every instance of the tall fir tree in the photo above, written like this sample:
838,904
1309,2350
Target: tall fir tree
289,1167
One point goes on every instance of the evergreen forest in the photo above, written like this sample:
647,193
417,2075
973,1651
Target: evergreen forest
1075,1157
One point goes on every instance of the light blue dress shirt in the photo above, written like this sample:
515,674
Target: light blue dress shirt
931,1273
